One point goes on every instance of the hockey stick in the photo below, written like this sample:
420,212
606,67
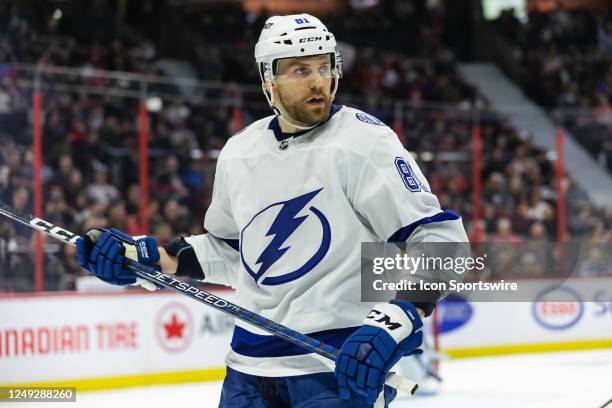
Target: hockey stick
151,274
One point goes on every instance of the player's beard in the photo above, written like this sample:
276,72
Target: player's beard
302,112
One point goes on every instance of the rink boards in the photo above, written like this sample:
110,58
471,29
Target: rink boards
581,320
111,340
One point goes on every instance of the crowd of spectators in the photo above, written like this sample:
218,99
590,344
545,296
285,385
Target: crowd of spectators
90,153
91,156
221,40
566,60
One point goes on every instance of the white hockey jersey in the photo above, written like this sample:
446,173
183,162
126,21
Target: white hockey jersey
287,218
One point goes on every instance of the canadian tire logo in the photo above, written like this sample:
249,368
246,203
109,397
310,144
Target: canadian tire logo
174,328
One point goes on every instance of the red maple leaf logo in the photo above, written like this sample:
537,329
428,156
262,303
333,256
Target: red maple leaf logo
174,328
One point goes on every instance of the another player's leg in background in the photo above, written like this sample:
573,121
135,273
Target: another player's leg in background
424,368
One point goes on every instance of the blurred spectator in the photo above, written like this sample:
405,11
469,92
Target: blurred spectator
595,263
118,218
538,232
583,224
175,215
504,233
100,190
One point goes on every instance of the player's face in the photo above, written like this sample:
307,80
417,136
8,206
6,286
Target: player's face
303,87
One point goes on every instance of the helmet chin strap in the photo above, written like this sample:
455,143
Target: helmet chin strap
280,117
279,114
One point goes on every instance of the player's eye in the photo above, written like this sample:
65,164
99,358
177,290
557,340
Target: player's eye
324,70
302,71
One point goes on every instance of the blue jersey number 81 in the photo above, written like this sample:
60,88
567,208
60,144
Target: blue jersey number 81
410,179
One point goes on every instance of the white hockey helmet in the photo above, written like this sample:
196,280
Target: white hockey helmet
296,35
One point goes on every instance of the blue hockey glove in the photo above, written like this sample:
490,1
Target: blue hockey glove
102,253
389,332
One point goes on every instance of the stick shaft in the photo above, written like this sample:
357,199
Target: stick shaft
199,295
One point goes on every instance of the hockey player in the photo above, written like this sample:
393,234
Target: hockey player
294,196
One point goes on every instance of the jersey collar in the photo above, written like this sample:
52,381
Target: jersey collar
280,135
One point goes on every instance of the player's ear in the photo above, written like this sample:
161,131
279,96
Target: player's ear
268,86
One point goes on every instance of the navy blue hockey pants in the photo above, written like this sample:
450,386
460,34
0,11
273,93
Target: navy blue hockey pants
304,391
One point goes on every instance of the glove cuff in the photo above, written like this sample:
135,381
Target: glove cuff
147,251
426,307
143,250
188,264
410,309
393,319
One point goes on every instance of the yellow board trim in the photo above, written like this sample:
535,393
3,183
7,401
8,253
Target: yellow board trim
125,381
485,351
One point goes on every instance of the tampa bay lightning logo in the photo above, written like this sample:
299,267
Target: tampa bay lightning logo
372,120
298,233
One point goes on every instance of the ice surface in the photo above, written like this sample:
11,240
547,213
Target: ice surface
552,380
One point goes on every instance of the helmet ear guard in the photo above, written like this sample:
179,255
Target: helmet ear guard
337,64
337,69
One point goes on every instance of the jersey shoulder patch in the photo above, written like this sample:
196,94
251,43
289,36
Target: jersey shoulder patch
367,118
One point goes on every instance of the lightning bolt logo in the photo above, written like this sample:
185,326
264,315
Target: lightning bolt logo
283,226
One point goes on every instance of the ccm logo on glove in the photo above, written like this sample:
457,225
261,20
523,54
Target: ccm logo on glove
143,253
392,319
